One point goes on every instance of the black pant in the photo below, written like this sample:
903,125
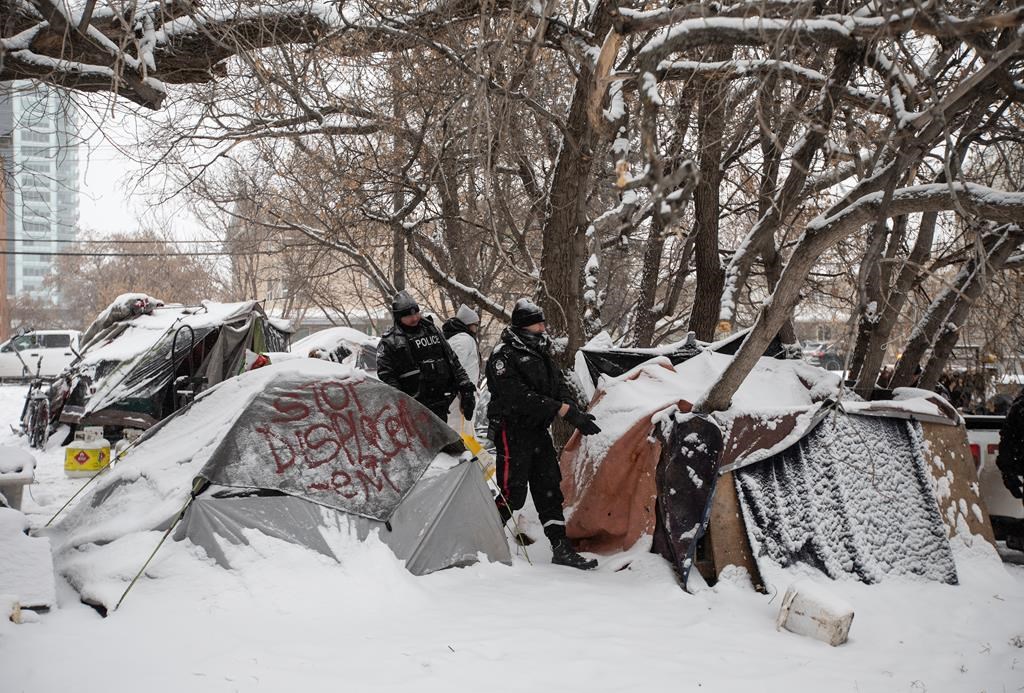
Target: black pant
526,457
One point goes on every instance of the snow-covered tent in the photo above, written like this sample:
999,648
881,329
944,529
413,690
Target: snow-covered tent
341,344
136,360
601,357
866,489
290,450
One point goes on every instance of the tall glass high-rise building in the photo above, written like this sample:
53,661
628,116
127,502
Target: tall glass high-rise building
39,148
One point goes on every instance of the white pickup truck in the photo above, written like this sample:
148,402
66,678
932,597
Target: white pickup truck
20,355
983,436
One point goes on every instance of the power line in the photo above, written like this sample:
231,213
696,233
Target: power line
132,241
58,253
136,241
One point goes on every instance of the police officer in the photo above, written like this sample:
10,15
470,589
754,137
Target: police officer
527,392
414,357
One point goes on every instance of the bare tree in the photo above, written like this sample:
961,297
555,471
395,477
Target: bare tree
516,147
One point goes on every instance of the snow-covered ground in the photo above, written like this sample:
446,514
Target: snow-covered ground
290,619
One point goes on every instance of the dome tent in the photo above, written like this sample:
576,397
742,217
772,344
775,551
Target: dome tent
288,450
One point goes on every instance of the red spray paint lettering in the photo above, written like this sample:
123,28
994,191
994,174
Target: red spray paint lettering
328,427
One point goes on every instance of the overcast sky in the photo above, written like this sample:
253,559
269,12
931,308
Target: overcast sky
115,195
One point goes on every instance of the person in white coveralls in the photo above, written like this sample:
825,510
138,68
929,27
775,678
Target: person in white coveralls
461,333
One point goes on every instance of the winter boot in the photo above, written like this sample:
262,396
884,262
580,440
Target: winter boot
564,554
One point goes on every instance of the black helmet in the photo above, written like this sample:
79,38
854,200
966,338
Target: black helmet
404,304
526,313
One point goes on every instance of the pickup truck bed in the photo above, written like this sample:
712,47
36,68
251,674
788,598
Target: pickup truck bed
1006,511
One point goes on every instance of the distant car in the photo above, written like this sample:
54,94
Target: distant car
20,355
824,354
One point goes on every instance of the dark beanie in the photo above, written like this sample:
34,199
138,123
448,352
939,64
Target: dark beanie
403,304
526,313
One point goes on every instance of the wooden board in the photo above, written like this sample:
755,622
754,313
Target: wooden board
727,535
948,457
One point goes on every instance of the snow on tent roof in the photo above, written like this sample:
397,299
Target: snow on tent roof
657,384
773,390
144,332
134,360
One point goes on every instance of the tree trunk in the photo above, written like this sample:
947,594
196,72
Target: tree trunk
457,247
646,316
564,246
773,272
871,299
711,120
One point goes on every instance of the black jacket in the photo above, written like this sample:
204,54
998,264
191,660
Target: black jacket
431,373
453,326
1011,439
526,386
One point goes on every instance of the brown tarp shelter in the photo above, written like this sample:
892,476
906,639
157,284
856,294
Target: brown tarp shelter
609,483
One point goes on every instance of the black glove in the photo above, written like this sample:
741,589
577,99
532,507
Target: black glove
582,421
467,402
1013,483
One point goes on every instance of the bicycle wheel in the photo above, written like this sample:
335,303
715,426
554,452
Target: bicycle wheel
38,423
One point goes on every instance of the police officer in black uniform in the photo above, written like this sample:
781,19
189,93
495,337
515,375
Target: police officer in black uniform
414,357
527,392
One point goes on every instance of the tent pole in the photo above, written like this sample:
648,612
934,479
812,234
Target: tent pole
517,537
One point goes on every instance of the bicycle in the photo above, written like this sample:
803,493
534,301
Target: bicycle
35,415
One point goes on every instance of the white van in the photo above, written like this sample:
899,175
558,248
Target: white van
20,355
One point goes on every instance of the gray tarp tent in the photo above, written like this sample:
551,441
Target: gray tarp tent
289,449
447,520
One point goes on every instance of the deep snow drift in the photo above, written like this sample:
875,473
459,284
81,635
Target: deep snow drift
287,618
